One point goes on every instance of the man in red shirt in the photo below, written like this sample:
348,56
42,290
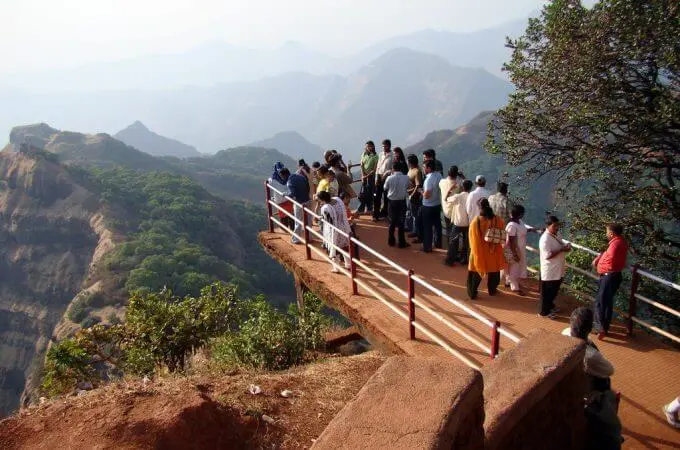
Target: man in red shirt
609,266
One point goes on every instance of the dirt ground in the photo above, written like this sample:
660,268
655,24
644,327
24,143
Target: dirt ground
199,411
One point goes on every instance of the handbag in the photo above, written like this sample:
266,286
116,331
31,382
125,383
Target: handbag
508,255
494,235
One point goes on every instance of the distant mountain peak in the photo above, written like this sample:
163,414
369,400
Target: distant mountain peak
138,125
142,138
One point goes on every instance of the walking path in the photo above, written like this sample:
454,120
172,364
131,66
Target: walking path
646,369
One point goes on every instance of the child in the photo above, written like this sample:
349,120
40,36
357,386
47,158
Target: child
351,218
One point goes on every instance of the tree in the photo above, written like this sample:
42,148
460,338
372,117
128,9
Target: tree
597,107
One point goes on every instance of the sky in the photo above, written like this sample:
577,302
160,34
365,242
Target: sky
47,34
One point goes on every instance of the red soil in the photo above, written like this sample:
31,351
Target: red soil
201,412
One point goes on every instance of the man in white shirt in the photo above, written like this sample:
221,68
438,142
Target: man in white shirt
499,202
476,196
553,265
382,171
458,239
396,186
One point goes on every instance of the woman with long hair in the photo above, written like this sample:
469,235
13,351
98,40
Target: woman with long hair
401,159
516,249
333,213
486,250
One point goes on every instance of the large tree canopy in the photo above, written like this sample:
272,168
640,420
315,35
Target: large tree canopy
597,107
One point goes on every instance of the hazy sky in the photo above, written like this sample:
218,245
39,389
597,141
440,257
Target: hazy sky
38,34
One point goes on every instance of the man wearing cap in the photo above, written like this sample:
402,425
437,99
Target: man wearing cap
476,196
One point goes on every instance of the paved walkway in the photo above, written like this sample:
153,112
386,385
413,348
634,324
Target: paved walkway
646,369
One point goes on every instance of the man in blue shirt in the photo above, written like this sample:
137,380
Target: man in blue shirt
431,209
298,186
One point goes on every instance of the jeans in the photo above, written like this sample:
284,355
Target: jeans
430,218
458,245
299,214
549,291
604,300
412,208
474,279
397,213
366,201
379,196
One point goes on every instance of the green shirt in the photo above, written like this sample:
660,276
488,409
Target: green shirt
368,162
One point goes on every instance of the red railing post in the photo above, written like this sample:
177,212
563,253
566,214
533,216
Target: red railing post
495,339
352,268
632,301
308,250
268,197
411,305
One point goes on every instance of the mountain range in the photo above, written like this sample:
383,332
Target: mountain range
219,62
402,95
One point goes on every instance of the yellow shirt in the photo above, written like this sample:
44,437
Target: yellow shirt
324,185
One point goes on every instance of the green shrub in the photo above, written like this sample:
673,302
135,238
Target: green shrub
170,328
66,363
77,311
272,340
90,321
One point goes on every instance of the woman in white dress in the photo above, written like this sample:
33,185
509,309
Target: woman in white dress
517,245
333,213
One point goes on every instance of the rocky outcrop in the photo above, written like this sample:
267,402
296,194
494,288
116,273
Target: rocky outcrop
52,235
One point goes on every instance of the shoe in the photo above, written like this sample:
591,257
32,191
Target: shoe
671,418
335,270
405,245
507,284
519,292
493,293
601,335
413,235
374,219
555,309
416,241
390,243
550,316
450,264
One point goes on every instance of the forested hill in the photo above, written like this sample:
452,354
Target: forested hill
235,173
81,231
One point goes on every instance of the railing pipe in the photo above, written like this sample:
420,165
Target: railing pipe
268,197
632,300
411,305
352,270
305,228
495,339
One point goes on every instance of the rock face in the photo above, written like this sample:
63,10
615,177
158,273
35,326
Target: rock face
51,237
140,137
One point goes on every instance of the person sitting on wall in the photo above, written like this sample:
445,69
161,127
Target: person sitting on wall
602,423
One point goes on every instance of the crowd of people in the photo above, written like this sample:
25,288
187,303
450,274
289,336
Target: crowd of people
481,230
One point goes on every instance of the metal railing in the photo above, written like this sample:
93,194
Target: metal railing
633,295
411,279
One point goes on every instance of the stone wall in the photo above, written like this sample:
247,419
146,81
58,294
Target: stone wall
412,403
534,394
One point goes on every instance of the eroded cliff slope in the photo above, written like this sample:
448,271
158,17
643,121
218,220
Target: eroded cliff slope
52,235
